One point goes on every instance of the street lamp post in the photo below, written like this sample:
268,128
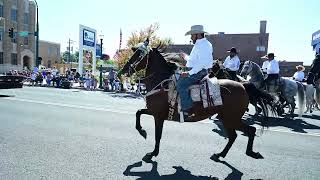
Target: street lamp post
100,68
37,34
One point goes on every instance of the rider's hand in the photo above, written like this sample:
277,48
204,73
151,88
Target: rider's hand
184,74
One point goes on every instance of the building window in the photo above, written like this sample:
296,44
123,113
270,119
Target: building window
49,50
14,59
14,39
25,40
1,10
261,49
1,35
1,57
49,63
14,16
26,18
26,5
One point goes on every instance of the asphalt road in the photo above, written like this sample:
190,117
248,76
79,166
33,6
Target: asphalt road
48,133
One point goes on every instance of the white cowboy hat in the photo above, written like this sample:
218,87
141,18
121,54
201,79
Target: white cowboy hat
300,66
196,29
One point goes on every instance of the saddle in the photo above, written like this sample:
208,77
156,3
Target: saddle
206,91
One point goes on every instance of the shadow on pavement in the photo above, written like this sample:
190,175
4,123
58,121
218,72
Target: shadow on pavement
180,173
235,174
2,95
311,116
125,95
296,125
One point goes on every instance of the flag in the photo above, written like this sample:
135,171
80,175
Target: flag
116,55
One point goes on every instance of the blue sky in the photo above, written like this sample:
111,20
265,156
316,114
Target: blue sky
289,22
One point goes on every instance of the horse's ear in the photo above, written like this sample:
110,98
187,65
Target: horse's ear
134,49
146,42
158,47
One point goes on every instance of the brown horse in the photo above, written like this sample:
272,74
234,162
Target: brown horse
157,69
253,93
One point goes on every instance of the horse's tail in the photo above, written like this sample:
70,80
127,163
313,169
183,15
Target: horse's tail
264,99
301,98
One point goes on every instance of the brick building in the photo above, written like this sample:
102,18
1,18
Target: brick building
50,53
18,52
250,46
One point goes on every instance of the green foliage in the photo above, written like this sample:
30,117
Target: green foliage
138,37
74,57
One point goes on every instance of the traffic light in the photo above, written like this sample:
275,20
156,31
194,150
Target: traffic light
11,32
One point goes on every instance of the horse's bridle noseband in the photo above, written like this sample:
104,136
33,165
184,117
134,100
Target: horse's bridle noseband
144,52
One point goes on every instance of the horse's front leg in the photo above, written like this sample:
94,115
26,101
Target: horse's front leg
141,131
158,134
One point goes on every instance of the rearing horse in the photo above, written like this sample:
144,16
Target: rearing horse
158,70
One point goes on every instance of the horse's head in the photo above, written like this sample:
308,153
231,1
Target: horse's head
138,61
314,72
246,68
215,68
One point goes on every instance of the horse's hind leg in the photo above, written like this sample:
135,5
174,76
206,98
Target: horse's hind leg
232,135
251,132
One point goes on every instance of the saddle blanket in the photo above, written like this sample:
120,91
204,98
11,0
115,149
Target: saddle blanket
208,91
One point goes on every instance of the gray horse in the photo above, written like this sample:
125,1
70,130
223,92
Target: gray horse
288,87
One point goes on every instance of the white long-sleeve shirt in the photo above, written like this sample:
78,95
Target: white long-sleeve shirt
200,56
265,66
273,67
232,63
298,76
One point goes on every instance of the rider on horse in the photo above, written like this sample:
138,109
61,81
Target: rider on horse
200,60
232,63
272,72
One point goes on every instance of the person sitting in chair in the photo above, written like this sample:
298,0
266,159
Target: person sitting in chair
232,63
272,71
200,60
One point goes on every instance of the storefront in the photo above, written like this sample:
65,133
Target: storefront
315,42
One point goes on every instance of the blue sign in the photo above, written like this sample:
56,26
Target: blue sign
315,38
89,38
98,50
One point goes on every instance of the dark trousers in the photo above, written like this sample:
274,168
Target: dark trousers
272,77
233,75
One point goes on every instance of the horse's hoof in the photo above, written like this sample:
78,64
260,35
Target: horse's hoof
215,158
255,155
143,133
147,158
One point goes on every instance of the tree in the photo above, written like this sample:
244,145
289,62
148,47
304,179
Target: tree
74,57
138,37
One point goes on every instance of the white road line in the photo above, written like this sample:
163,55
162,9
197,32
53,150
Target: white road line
70,105
133,113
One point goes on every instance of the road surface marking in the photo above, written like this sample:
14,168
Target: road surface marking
133,113
70,106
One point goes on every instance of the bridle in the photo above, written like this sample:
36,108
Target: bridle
247,65
144,53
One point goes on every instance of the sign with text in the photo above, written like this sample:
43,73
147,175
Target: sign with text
89,38
315,38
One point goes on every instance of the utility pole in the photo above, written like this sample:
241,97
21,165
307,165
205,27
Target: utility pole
37,34
69,53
